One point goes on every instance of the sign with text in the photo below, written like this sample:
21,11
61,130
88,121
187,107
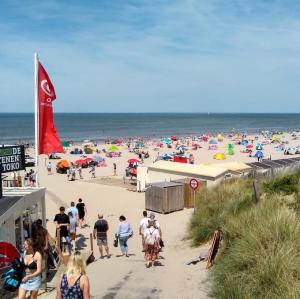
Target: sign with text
12,158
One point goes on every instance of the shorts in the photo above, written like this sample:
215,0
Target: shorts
33,284
102,241
73,236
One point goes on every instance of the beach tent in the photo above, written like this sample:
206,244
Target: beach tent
113,148
180,159
280,148
213,141
116,141
213,147
204,138
65,143
230,149
220,137
259,147
219,156
291,150
167,140
259,154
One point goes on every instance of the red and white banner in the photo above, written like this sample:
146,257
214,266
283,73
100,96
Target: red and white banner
49,141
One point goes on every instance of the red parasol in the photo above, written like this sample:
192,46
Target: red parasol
132,161
8,253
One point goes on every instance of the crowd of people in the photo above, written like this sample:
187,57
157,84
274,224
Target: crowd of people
74,283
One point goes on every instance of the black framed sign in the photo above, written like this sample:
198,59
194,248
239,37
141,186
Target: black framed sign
12,158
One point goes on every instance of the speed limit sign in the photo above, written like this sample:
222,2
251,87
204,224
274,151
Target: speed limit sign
194,184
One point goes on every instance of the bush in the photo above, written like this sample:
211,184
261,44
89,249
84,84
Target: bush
260,254
283,183
263,259
215,206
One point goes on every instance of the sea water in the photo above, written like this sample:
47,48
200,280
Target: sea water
19,127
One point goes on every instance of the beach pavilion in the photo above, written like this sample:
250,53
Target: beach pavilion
19,208
166,171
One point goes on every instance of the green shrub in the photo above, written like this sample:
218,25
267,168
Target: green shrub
283,183
216,205
263,259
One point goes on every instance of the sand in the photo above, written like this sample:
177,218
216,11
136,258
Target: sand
121,277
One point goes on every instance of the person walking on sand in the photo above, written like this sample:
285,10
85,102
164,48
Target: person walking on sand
81,212
72,229
73,210
115,168
80,172
33,268
124,232
49,168
74,283
93,172
62,222
152,238
100,232
143,226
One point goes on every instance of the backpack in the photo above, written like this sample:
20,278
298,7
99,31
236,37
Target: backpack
13,277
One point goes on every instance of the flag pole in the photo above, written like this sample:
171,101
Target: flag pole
36,119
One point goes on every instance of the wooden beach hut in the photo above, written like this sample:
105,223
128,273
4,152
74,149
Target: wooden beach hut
165,197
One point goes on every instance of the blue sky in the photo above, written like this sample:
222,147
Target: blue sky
153,56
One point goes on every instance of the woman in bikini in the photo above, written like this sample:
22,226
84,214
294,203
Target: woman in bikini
74,283
33,268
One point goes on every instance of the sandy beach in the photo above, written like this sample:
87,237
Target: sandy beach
121,277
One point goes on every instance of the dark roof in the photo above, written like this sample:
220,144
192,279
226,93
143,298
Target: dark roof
267,164
166,184
7,202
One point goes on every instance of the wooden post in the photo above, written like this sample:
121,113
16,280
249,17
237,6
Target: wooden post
256,190
91,242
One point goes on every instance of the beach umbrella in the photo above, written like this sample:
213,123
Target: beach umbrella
113,148
8,253
174,138
249,146
63,163
80,162
219,156
88,160
259,154
213,141
132,161
244,142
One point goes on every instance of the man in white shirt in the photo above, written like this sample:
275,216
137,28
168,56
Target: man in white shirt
73,210
143,226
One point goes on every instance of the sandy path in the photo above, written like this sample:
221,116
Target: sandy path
121,277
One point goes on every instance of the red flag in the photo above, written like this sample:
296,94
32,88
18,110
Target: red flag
49,141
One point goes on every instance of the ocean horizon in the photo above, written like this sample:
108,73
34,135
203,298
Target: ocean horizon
19,127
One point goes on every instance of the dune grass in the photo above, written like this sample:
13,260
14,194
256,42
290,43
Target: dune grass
260,254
